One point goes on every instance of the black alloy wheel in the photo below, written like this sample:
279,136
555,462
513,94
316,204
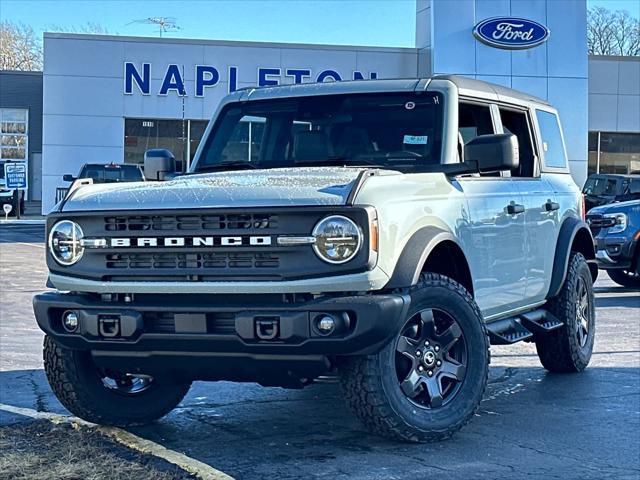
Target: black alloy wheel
431,358
126,383
582,312
428,381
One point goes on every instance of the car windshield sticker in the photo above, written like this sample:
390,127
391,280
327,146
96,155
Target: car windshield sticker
415,139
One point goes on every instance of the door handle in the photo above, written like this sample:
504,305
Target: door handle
514,209
551,206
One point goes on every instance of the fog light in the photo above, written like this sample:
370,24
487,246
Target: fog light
70,321
325,325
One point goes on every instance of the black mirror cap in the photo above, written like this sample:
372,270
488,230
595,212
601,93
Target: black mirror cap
67,177
159,164
493,153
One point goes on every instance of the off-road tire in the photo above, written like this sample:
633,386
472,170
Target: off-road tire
625,278
370,385
559,350
75,381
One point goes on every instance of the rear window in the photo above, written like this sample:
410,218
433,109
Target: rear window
111,173
552,144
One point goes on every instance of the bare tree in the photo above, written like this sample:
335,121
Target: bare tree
89,27
20,49
627,33
612,33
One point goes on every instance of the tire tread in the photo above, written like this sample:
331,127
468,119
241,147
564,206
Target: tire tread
359,383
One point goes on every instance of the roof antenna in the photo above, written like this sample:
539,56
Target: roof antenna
164,24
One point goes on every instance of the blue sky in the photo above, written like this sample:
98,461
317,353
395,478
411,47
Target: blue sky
351,22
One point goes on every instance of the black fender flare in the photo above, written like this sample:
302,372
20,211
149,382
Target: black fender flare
571,229
415,253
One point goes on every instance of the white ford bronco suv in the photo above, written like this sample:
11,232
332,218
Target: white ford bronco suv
387,231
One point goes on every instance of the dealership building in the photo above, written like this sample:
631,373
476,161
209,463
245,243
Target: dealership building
110,98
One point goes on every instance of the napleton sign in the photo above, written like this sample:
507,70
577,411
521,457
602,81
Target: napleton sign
137,78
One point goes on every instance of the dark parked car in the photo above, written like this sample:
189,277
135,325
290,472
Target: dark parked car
109,173
616,232
601,189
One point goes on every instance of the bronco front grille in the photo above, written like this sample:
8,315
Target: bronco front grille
191,261
194,223
217,255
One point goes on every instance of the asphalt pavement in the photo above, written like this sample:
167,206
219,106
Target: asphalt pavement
531,423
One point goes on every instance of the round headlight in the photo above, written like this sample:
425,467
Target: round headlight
338,239
65,242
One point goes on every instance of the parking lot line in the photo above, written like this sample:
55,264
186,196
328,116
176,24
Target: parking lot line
142,445
30,244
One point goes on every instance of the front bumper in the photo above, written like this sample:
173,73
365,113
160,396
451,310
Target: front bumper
220,337
614,252
374,279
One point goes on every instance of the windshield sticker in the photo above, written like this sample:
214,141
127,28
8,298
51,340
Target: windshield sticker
415,139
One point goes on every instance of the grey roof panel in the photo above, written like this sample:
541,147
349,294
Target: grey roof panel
466,86
333,88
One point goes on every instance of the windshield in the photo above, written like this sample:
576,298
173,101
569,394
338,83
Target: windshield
111,173
399,131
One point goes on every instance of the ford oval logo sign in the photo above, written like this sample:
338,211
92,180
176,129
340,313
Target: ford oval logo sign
511,33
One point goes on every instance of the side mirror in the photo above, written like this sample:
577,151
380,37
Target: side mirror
68,178
159,164
634,187
493,153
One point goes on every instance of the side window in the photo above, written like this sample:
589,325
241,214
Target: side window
552,144
474,120
610,187
517,123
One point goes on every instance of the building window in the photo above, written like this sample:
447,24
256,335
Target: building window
14,136
612,152
141,135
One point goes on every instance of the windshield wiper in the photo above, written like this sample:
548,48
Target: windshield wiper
340,162
234,165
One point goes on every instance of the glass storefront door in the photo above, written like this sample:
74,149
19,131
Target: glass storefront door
614,152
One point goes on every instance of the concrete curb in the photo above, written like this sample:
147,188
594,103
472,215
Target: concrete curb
24,222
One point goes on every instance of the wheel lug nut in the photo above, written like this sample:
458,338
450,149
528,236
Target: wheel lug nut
421,368
427,343
418,353
436,348
430,373
438,363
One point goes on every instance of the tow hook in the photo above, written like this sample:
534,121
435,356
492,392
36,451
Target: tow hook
109,326
267,328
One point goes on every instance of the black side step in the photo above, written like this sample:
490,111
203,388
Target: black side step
521,327
540,321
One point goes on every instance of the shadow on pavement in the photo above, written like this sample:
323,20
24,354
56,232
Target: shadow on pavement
630,301
529,423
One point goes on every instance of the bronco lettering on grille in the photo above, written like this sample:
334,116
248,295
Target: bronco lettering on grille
235,241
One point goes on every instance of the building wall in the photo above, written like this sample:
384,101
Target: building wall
85,103
614,94
24,90
555,70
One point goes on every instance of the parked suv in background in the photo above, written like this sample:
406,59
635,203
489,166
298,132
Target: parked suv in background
601,189
616,230
386,231
108,173
7,197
